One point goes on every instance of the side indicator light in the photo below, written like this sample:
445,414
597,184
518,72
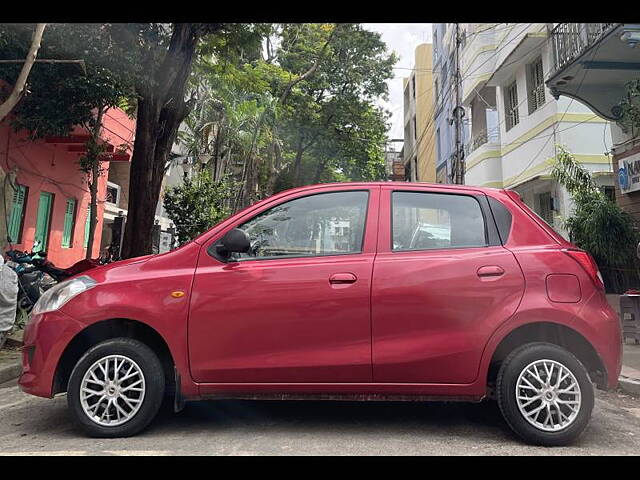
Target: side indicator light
177,294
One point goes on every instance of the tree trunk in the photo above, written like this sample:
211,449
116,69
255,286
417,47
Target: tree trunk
161,109
94,158
297,164
18,88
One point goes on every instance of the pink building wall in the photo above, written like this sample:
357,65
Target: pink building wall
53,167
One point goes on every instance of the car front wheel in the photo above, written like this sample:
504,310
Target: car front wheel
116,388
545,394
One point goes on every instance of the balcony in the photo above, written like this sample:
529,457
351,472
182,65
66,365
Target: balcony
593,62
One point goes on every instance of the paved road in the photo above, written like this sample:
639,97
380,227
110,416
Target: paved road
30,425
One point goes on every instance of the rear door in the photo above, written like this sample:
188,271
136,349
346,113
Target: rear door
442,282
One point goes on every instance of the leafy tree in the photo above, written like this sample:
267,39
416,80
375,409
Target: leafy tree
304,112
597,225
197,204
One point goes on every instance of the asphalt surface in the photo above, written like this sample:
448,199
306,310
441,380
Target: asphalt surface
31,425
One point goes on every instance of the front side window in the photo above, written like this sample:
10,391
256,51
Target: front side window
317,225
425,221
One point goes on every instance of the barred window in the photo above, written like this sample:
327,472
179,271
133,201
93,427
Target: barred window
511,105
535,82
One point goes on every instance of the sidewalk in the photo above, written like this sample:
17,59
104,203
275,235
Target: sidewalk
11,358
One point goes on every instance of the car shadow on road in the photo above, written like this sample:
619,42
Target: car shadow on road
387,417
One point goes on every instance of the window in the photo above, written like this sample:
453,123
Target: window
43,222
413,86
511,105
535,82
545,207
425,221
317,225
437,90
87,226
16,218
415,128
113,193
69,223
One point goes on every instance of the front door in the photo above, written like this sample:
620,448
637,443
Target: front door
441,286
295,309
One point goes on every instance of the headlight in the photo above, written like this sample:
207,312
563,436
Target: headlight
58,295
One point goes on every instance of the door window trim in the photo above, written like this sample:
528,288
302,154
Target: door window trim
212,251
490,229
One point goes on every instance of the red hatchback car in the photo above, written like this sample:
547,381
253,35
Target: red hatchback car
368,291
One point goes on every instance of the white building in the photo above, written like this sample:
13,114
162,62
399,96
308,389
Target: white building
516,123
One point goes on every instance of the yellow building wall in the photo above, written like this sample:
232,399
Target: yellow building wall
424,113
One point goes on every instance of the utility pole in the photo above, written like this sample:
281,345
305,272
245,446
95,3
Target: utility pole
458,170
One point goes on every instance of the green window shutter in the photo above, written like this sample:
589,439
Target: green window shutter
86,227
43,221
17,213
69,215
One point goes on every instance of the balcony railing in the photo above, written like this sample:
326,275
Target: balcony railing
570,40
480,139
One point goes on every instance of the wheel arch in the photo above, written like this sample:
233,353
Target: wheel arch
113,328
550,332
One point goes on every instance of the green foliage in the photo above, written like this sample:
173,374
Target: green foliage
62,95
597,225
197,204
630,107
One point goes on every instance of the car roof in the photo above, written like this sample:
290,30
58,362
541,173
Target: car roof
393,183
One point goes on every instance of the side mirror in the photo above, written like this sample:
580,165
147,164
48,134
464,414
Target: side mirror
234,241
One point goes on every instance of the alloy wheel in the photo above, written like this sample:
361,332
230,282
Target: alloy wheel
112,390
548,395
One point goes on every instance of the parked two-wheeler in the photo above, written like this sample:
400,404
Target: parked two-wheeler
36,274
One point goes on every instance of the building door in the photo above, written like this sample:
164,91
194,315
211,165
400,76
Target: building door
43,222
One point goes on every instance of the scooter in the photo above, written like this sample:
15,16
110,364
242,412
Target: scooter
36,275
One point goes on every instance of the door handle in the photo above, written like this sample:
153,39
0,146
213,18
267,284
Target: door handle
490,271
341,278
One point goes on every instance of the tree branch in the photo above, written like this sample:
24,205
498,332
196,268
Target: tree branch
19,86
309,72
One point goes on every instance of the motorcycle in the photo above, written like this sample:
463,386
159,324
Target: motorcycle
36,274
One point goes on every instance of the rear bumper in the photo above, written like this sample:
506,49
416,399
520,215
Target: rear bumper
45,339
606,337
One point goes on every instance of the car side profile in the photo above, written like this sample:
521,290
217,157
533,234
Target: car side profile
368,291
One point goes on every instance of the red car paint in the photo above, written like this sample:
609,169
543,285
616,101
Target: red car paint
413,323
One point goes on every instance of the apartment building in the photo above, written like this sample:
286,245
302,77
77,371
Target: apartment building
516,123
419,154
596,63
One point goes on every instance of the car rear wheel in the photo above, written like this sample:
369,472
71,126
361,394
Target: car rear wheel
545,394
116,388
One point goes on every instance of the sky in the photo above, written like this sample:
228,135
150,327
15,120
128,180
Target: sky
401,38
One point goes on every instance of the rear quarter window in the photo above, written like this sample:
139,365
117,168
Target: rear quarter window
502,217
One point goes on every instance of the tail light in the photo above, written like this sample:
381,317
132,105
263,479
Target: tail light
588,264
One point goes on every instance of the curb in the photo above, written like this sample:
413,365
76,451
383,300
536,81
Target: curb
630,386
9,372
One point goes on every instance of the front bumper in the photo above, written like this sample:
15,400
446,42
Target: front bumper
45,339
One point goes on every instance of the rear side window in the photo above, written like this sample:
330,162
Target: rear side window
316,225
425,221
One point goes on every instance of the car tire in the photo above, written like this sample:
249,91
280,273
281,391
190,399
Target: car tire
141,405
575,404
